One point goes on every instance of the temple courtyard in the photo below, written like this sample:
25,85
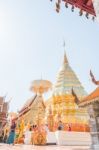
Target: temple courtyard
49,147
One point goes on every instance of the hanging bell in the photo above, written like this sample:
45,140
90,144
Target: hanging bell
57,6
72,9
93,18
57,10
59,1
66,5
81,12
87,15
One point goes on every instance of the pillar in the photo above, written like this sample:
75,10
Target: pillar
93,110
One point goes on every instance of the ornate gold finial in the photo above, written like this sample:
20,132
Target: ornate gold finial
65,57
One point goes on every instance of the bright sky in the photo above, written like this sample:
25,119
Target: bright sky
31,44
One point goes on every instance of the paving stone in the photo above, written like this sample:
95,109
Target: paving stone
50,147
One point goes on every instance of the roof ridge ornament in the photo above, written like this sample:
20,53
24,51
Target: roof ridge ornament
93,78
76,99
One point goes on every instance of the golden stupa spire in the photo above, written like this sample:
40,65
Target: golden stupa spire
65,57
66,79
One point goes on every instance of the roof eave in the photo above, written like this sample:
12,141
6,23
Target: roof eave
88,102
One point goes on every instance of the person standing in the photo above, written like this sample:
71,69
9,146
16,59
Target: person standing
28,136
11,136
5,136
69,127
60,125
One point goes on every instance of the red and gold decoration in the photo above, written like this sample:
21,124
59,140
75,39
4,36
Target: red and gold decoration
83,5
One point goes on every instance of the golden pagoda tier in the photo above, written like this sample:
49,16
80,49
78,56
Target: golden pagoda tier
66,79
63,103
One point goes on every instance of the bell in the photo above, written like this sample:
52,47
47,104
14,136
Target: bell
57,10
87,15
59,1
66,5
72,9
93,18
81,13
57,6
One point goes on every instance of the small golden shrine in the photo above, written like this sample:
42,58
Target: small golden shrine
33,112
40,87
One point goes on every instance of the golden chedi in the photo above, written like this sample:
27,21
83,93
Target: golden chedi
62,102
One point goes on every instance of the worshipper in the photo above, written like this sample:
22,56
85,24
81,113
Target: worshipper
60,125
11,136
46,128
69,127
17,133
28,136
34,130
1,135
5,135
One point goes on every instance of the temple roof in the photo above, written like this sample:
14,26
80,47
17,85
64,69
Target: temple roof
83,5
86,5
5,107
91,98
28,103
66,79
